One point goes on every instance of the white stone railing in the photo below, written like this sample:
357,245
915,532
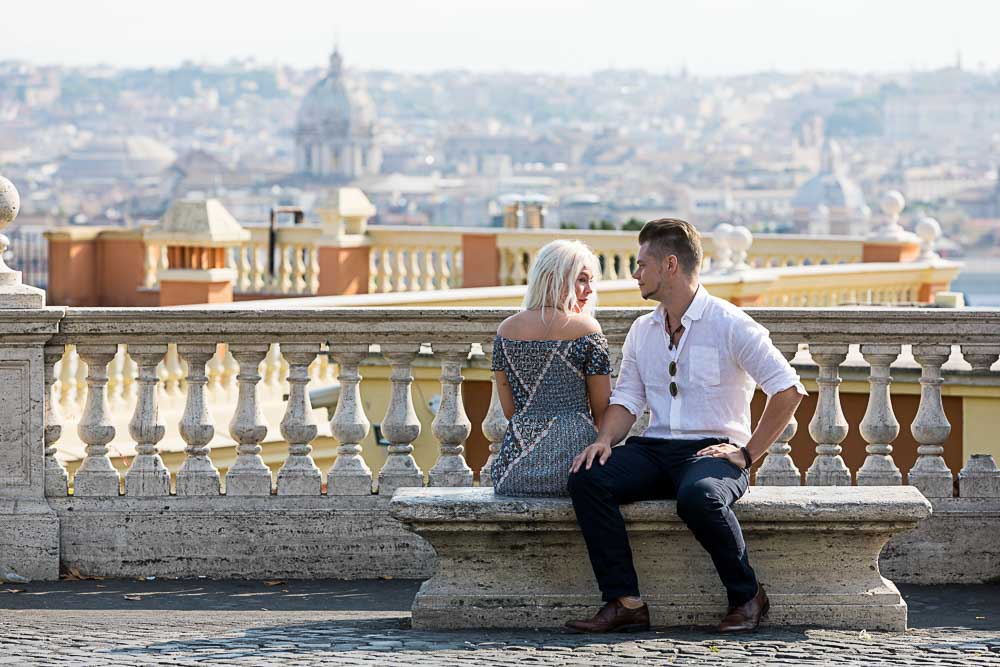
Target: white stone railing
296,261
175,355
412,259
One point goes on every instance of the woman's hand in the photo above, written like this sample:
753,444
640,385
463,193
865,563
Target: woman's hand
598,451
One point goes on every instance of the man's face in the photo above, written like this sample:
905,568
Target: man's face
653,273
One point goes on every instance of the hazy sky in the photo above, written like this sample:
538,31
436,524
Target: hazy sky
709,36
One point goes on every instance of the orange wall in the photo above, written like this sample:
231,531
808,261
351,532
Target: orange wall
121,265
480,260
343,271
183,293
72,273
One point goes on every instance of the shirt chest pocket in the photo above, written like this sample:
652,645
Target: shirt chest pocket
703,362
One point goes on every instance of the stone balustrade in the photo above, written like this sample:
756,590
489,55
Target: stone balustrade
146,359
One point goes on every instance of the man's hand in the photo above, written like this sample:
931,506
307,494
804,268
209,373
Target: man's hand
598,451
725,451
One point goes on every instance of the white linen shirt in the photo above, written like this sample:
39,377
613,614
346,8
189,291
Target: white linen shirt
723,354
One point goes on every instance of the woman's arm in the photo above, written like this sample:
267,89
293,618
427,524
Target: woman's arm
505,394
598,393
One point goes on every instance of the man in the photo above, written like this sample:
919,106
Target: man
695,361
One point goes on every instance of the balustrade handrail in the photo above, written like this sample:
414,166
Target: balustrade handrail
803,325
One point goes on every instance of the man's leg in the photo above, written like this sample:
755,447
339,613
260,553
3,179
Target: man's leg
707,487
634,472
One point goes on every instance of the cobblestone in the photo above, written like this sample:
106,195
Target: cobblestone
71,623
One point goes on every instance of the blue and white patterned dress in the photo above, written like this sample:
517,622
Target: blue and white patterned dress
552,421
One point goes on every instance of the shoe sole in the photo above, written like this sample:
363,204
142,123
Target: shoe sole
637,627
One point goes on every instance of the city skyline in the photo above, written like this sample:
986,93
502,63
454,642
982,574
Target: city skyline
715,38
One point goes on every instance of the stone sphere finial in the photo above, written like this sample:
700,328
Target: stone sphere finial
740,239
10,202
722,254
929,231
892,203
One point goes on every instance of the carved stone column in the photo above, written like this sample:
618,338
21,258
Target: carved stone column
930,428
248,476
349,475
879,426
494,424
56,478
198,475
828,427
147,476
451,425
400,424
299,475
96,476
777,468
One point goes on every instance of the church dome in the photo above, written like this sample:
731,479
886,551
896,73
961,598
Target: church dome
830,187
335,107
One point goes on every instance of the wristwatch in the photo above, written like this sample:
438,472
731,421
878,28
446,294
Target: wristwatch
746,457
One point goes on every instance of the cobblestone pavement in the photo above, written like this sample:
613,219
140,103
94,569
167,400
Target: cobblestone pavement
367,623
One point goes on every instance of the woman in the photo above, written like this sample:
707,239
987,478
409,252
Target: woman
552,371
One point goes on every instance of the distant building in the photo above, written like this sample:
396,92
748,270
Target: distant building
335,133
830,202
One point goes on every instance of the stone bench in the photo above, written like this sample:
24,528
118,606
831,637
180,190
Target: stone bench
522,563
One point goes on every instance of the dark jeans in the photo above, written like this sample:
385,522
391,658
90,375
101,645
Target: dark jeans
652,468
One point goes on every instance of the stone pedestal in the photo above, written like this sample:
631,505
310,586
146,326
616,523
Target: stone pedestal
29,528
522,563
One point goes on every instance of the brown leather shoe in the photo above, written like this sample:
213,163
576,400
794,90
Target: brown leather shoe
614,617
746,617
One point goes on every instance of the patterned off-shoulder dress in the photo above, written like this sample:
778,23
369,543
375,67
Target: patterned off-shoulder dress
552,421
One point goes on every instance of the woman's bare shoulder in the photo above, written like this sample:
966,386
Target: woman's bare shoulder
582,324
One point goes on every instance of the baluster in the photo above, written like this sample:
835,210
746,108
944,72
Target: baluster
457,260
171,372
778,468
56,478
519,275
198,475
495,423
312,270
258,266
149,268
230,369
416,277
116,376
981,357
930,428
374,266
624,271
214,369
979,478
451,425
400,424
349,475
879,426
67,376
401,271
129,371
286,280
272,365
248,475
385,272
609,272
828,427
96,476
299,475
443,268
80,380
505,266
299,282
242,269
428,270
147,476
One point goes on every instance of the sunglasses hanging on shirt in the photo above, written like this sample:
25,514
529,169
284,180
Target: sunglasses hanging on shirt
672,369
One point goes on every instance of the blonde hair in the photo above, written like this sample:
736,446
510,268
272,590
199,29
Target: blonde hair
553,275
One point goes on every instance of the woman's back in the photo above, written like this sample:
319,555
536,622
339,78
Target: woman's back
552,420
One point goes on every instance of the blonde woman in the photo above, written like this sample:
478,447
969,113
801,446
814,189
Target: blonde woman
552,370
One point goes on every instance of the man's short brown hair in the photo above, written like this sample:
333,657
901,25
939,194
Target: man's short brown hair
670,236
